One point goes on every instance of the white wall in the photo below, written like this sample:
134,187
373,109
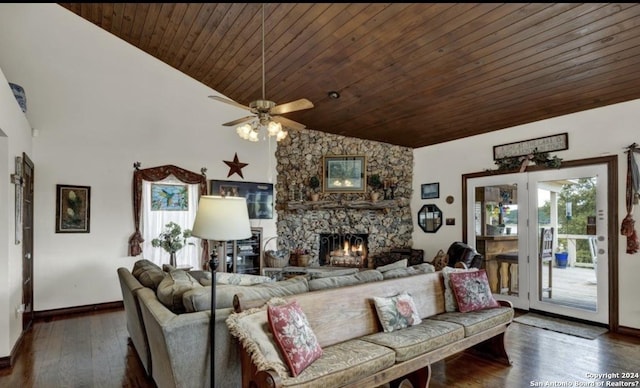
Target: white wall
593,133
15,138
99,105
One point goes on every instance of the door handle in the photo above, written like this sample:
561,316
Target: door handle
27,256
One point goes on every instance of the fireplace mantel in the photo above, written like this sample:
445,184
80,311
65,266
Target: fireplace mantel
340,204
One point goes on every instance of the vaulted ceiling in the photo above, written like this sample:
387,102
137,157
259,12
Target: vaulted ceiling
409,74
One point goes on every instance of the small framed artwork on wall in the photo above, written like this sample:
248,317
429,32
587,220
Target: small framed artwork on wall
430,190
73,205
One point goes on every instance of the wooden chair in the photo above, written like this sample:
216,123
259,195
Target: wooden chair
545,257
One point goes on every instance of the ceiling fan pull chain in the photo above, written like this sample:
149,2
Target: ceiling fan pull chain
264,93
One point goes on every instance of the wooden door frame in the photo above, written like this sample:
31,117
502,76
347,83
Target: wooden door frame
612,209
27,242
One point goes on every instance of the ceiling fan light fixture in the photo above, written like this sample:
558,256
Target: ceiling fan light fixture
274,128
253,136
244,130
267,113
251,131
281,135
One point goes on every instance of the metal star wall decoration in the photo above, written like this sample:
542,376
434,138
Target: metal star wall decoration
235,167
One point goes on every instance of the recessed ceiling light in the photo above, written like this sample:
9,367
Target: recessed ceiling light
333,95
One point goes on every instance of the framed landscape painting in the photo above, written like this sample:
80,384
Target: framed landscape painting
72,208
344,174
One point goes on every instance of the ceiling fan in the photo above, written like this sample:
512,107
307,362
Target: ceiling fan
266,112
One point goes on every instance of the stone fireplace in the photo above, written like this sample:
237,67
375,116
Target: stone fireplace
301,223
343,249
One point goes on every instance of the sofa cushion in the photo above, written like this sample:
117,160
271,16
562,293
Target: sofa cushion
168,267
201,275
294,336
343,364
173,286
450,304
398,264
396,312
472,290
238,279
347,280
200,299
476,321
424,268
370,275
418,339
399,273
333,273
148,273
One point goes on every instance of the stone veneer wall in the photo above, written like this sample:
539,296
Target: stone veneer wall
300,156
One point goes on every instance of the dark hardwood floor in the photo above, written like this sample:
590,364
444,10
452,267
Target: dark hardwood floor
92,350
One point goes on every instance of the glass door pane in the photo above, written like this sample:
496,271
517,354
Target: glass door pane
496,231
572,203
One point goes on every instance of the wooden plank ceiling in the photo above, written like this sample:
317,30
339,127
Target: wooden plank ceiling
408,74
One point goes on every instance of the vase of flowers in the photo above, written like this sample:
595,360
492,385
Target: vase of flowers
172,239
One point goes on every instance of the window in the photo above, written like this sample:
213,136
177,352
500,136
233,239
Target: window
154,219
149,223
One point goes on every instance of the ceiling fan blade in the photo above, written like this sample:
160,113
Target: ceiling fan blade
288,123
292,106
230,102
238,121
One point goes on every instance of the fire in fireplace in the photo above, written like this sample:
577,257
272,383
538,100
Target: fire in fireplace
343,249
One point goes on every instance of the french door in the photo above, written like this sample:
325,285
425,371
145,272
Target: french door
574,202
505,216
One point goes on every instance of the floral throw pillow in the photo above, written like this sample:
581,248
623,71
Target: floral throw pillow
450,304
294,336
472,290
396,312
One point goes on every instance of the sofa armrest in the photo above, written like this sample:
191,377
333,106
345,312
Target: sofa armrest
505,303
130,286
179,344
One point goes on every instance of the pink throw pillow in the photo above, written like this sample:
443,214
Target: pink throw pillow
294,336
472,290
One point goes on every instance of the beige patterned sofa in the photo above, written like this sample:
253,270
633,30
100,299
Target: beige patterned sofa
356,352
168,314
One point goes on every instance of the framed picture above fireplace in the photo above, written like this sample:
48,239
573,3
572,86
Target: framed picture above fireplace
344,174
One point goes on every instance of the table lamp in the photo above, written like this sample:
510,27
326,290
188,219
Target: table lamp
220,219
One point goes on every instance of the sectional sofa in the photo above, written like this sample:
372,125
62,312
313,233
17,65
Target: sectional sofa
168,314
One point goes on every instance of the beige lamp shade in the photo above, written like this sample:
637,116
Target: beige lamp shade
222,219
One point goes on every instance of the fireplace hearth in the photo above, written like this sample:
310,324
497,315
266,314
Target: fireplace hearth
343,249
